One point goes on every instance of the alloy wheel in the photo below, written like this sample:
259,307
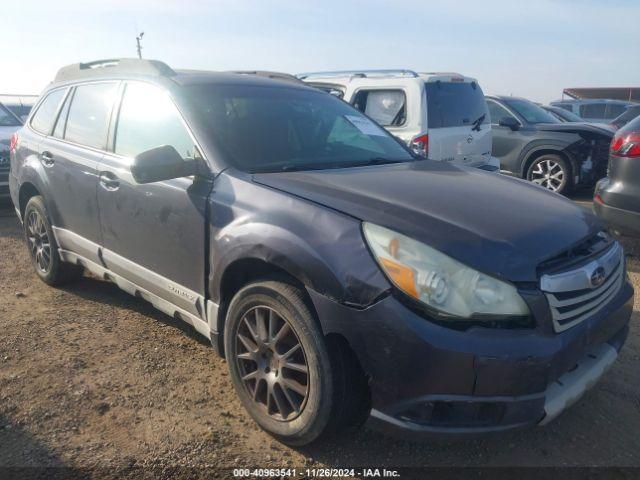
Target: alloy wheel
272,363
38,240
549,174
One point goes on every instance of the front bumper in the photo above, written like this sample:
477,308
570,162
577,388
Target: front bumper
427,379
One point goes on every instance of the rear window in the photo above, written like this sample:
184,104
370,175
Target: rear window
89,113
455,104
45,115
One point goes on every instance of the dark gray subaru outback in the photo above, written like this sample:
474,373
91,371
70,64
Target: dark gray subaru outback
341,277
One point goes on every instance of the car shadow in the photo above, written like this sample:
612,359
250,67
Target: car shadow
9,224
21,453
101,291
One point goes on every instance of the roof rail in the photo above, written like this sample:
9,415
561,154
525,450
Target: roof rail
114,65
360,73
287,77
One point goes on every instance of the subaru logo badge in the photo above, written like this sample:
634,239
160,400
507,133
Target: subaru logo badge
597,277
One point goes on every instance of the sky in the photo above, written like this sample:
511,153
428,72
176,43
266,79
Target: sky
532,48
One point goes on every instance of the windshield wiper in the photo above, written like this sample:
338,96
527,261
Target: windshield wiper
375,161
476,124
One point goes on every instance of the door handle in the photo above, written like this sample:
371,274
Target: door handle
109,181
47,159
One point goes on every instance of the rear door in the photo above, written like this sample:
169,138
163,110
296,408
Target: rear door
457,122
154,234
70,156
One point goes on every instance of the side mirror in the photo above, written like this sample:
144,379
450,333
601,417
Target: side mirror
509,122
161,163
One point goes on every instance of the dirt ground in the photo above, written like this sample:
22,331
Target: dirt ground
91,377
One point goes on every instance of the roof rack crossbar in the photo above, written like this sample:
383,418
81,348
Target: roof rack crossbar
114,65
360,73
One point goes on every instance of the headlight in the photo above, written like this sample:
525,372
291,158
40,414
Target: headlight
440,281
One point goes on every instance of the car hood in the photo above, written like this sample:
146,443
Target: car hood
577,127
496,224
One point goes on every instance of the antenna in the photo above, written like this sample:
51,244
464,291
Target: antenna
138,44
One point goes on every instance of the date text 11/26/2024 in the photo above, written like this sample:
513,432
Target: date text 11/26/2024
314,473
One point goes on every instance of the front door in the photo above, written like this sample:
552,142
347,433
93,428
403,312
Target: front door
507,143
154,234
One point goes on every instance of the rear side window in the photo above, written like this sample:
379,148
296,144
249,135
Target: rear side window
44,117
148,119
455,104
387,107
593,110
89,113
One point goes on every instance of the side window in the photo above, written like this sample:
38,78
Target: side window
88,118
614,110
387,107
44,117
58,132
593,110
148,119
497,112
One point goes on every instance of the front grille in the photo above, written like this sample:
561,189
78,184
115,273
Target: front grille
572,295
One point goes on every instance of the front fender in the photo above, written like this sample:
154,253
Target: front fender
536,146
323,249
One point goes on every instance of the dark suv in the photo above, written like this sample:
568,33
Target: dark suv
617,197
531,143
339,275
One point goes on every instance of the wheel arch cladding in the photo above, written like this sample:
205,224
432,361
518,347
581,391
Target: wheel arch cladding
27,191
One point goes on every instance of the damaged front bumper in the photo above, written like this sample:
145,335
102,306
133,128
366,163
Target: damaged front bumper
427,379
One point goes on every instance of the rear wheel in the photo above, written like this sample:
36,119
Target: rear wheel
552,172
282,368
42,245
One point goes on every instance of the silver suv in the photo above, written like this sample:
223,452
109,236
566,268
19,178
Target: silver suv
442,116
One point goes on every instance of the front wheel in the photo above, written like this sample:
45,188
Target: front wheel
551,172
284,372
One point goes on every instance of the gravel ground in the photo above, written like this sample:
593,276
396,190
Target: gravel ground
91,377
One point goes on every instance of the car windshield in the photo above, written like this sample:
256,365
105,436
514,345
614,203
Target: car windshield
271,129
531,112
566,115
7,119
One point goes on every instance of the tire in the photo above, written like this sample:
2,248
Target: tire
42,246
331,395
552,172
